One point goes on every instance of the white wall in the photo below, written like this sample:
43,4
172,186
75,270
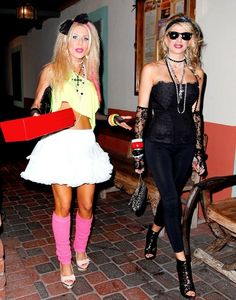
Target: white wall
37,49
217,20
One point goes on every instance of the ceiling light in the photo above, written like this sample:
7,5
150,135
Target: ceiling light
26,10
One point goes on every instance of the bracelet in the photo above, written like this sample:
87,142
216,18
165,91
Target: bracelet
137,152
118,119
111,120
137,143
34,110
138,156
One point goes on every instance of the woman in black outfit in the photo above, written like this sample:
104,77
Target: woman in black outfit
171,87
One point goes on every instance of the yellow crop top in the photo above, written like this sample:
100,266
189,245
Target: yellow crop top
81,95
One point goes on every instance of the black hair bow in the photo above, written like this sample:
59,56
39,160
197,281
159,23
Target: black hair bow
82,18
65,26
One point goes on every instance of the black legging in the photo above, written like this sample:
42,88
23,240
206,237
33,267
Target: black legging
170,165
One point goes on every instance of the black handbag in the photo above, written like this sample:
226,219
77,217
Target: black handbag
139,197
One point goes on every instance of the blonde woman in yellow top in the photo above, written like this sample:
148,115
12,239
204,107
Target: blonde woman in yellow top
71,158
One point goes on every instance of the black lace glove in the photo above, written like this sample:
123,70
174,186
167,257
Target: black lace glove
137,143
199,160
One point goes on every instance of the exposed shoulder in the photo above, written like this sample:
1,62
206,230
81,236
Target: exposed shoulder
152,69
154,66
199,72
148,68
46,70
46,74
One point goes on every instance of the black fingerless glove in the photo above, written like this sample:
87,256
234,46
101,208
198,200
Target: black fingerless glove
34,111
140,121
137,143
199,161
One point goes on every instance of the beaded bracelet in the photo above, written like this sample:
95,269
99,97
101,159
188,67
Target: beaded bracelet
111,120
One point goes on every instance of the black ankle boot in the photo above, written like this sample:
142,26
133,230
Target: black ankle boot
185,278
151,243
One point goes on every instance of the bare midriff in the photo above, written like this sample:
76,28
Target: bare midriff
81,121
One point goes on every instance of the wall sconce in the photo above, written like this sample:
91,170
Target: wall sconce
26,10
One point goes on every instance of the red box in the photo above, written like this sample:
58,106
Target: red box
29,128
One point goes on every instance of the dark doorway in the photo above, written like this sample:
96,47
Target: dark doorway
16,75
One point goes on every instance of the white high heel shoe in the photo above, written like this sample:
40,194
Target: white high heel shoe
82,264
67,280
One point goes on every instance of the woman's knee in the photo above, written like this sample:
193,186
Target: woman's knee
85,209
62,210
62,197
85,196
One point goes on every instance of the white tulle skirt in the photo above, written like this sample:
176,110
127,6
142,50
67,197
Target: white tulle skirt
71,157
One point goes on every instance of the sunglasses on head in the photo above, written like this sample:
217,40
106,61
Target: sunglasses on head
186,36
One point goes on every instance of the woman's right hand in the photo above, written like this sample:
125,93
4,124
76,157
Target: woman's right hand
121,121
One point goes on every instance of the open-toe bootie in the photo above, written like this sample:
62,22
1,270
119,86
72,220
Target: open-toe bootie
185,278
151,244
67,280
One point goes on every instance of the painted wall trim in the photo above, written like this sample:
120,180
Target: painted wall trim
234,187
101,15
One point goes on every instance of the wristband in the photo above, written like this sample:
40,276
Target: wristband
34,110
138,156
118,119
111,120
137,152
137,144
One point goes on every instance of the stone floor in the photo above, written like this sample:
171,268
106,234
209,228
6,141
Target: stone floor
118,269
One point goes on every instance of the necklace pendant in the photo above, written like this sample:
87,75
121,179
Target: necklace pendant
181,91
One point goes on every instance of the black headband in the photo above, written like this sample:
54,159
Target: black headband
179,20
65,26
184,19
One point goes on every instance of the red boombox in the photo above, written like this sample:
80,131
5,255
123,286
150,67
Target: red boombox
29,128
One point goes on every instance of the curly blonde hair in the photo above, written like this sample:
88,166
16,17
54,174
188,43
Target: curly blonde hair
61,65
193,51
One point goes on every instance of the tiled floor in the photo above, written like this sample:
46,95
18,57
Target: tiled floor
118,269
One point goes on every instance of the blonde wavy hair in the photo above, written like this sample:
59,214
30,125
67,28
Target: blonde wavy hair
61,64
193,51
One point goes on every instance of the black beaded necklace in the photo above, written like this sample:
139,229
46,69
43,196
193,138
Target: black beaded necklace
176,61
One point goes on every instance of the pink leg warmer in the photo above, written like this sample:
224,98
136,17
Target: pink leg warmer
82,231
61,231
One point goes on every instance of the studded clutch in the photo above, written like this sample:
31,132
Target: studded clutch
139,197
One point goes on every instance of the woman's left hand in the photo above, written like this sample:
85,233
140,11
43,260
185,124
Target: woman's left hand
199,165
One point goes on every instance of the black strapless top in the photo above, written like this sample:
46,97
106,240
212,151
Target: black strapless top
167,124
